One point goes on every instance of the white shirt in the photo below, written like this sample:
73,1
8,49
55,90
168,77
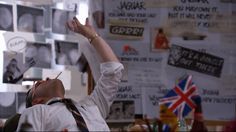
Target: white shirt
94,108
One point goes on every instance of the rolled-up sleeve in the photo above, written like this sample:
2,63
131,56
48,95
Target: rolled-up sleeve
107,86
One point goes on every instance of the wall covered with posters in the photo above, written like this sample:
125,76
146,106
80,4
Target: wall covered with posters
35,44
159,41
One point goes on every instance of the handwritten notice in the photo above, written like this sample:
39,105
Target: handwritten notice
127,31
160,3
192,14
16,43
195,60
146,76
128,92
224,23
213,107
130,11
151,97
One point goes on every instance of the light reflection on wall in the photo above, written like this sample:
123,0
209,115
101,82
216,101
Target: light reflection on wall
2,48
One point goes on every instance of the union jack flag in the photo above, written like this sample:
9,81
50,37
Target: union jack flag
178,99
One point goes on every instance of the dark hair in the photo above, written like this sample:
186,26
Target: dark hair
160,30
28,99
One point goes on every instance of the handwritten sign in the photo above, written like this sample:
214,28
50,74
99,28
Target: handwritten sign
128,92
16,43
130,11
195,60
126,31
213,107
151,97
190,15
146,76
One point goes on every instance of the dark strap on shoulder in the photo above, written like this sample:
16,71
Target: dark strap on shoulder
75,112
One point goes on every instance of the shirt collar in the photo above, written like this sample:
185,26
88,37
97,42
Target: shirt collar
53,99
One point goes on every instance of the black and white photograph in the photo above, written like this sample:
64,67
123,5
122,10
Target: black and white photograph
122,110
12,67
30,19
6,17
59,19
67,53
40,53
7,104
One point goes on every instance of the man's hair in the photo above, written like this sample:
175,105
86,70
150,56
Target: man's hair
50,93
29,98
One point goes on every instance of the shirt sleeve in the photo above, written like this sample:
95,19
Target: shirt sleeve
32,119
107,86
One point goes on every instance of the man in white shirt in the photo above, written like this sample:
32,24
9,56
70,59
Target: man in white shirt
94,108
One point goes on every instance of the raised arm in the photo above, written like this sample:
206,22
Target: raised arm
110,68
99,44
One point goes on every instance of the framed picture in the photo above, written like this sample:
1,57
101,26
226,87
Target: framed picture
122,110
59,19
159,40
67,53
13,67
41,53
30,19
6,17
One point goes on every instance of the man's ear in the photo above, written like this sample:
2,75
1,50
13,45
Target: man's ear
38,101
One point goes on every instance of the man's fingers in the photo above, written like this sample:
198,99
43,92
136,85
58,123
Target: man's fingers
77,22
87,22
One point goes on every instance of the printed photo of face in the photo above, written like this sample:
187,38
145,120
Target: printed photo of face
67,53
30,19
59,19
40,52
6,17
13,67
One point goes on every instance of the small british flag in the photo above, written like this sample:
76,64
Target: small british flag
178,99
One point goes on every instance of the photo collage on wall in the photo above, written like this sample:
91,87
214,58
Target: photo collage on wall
30,19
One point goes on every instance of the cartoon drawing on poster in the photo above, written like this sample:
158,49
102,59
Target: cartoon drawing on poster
30,19
6,17
67,53
159,39
195,60
122,110
40,53
7,104
59,19
13,67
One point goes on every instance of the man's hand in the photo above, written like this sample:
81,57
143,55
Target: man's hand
86,30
